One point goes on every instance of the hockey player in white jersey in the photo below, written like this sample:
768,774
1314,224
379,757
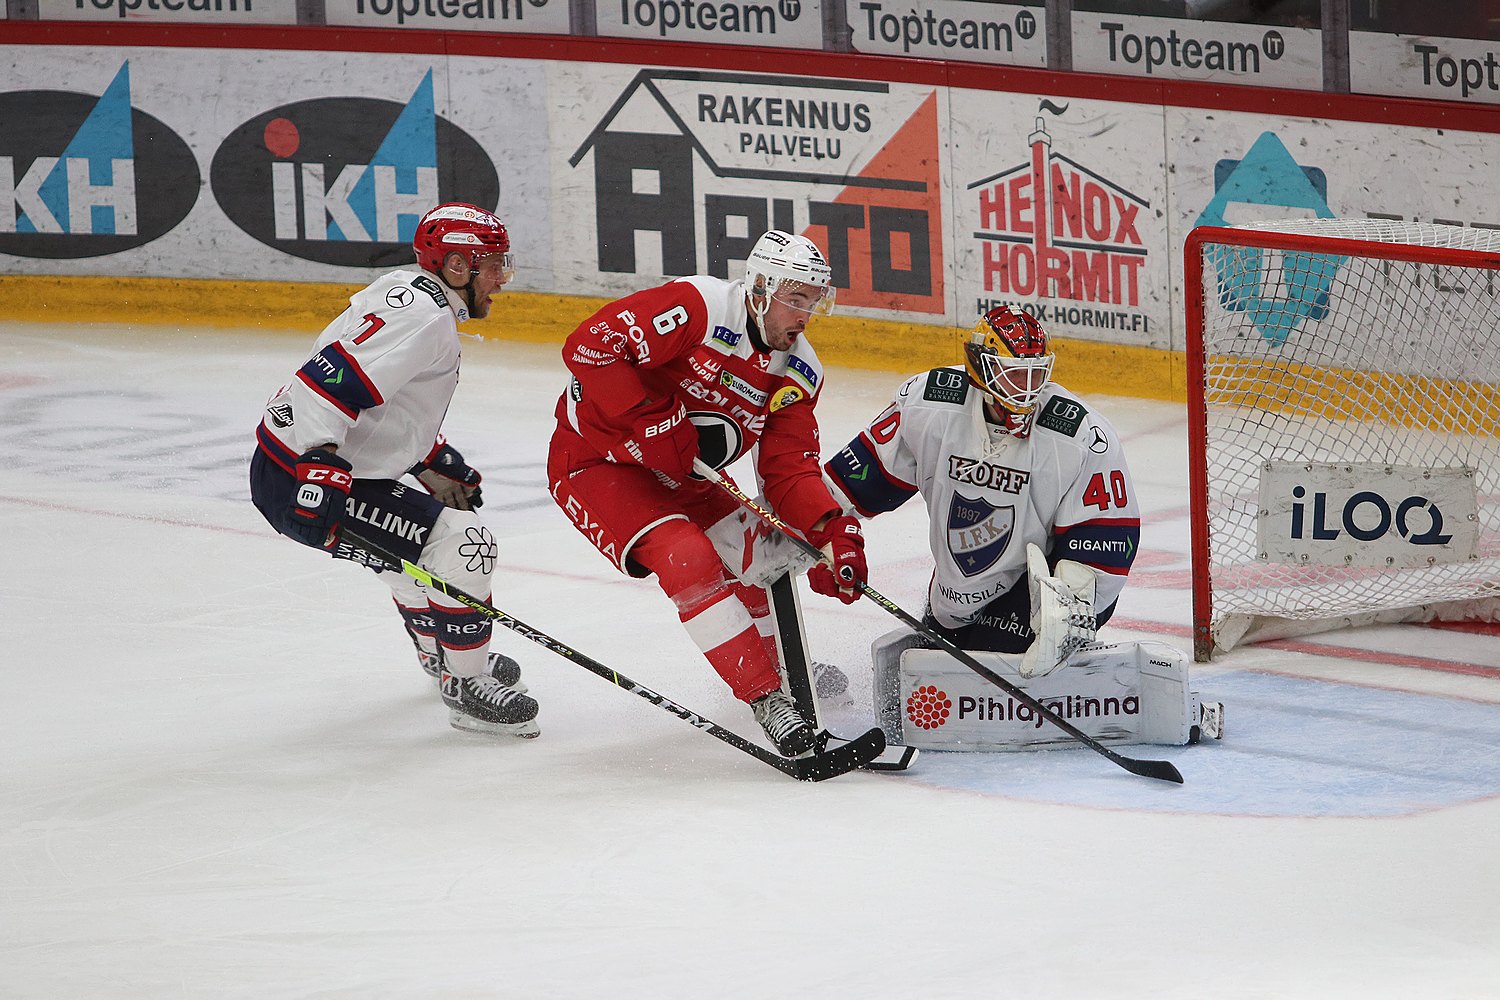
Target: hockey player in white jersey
358,427
1033,516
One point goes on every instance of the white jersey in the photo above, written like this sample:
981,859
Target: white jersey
379,380
1065,487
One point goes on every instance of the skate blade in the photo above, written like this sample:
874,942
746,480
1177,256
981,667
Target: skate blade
468,724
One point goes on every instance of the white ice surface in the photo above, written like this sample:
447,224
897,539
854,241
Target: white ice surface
223,775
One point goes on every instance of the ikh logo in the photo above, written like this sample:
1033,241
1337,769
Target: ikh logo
1053,229
928,707
84,176
344,180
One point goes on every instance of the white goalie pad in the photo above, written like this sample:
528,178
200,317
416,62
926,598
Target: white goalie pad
1121,693
754,552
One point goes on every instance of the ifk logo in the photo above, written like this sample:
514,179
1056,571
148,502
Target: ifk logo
344,180
84,176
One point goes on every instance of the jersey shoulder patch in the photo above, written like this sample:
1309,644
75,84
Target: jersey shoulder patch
946,385
1062,415
425,284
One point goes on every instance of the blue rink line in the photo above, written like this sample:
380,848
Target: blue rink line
1293,747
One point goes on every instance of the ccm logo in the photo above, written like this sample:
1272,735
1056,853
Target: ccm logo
334,477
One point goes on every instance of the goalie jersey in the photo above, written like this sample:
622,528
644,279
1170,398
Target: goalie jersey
1065,487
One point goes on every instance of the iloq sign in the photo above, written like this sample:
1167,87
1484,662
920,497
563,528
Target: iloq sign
1366,514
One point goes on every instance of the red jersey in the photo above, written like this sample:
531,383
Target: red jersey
688,339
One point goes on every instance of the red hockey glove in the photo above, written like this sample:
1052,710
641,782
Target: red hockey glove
844,544
662,438
323,483
450,479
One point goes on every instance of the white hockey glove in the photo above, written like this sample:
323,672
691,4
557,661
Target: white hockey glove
1062,612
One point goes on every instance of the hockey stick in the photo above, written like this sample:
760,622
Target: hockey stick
786,612
811,767
1162,770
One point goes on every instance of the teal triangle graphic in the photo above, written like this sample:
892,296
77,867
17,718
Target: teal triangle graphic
105,135
1270,176
411,143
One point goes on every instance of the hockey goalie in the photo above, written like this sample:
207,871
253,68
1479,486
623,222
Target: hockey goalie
1033,530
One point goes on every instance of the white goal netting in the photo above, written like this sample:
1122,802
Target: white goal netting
1346,438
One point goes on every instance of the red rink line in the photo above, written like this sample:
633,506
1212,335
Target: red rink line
1341,652
1477,628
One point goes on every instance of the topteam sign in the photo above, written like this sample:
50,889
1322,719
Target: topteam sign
85,176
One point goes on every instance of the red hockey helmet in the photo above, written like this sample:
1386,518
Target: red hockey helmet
1008,357
464,229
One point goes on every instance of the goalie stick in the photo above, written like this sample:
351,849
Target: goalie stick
819,766
1162,770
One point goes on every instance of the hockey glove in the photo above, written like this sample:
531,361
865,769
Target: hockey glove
661,438
1062,612
844,544
454,482
323,483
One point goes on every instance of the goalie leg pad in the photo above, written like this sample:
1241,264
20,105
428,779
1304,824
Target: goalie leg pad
1122,693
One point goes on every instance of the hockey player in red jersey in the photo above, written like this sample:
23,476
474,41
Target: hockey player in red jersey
348,439
706,368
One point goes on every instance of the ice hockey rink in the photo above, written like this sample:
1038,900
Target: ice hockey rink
222,773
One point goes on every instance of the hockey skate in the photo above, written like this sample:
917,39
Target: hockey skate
784,726
501,667
1210,725
483,705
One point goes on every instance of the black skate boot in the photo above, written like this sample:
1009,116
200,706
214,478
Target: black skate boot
501,667
785,727
484,705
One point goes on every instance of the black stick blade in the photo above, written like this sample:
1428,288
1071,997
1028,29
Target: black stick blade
853,755
1161,770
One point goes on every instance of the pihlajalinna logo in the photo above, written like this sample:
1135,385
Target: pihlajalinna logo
928,707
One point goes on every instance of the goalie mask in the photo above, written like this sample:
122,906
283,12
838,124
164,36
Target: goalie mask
1007,357
793,271
472,232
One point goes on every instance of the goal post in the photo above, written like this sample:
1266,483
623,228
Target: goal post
1343,380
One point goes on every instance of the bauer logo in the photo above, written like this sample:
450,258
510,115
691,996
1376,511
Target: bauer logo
344,180
84,175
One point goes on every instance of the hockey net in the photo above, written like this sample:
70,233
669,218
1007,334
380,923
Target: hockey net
1344,401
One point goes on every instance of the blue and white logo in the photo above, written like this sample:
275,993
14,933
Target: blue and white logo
1271,183
978,533
72,183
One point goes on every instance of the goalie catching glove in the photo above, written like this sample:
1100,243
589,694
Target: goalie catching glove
844,544
451,480
1062,612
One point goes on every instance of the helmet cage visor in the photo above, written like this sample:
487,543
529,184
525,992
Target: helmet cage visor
1014,383
494,265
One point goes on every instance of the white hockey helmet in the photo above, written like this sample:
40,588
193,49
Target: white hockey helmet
782,262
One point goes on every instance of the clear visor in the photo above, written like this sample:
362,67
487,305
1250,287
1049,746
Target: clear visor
496,267
804,298
1014,382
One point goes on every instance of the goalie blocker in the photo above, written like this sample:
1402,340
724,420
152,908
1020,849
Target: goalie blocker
1123,693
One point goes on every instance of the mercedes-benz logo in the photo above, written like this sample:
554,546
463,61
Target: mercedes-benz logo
398,297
